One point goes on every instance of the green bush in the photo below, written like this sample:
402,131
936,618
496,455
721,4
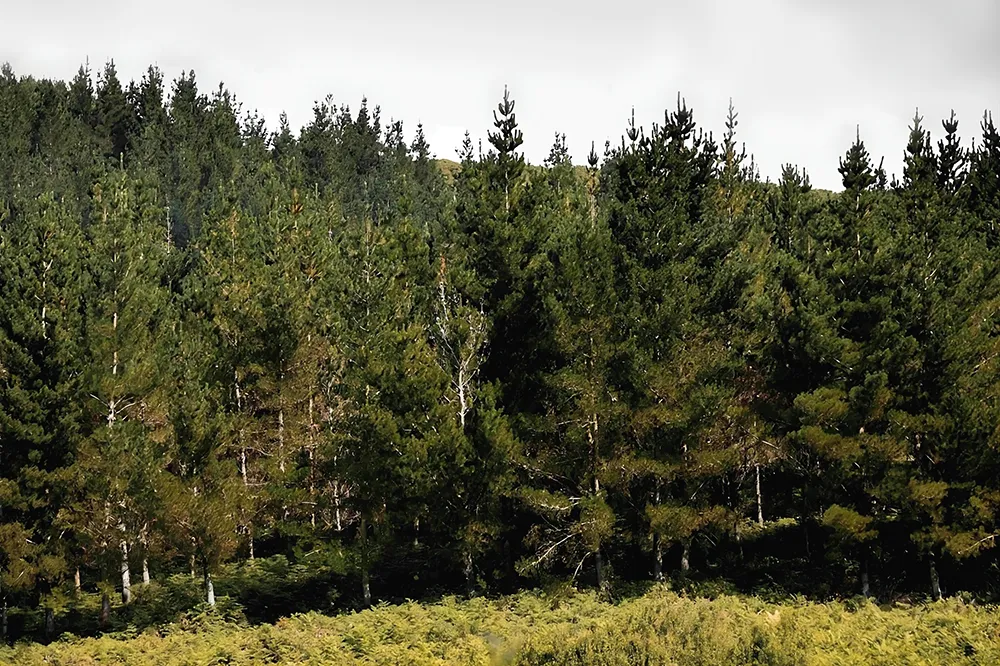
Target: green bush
563,628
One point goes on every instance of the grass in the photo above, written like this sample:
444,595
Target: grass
558,627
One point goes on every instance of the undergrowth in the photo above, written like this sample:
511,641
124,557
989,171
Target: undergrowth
562,628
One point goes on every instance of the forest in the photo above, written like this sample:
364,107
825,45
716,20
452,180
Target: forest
322,369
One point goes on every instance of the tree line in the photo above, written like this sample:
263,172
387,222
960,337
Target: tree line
220,343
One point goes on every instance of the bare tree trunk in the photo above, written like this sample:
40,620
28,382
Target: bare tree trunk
50,623
336,503
657,543
281,440
366,590
935,580
209,588
805,520
105,610
599,565
686,557
865,587
191,564
760,500
144,536
3,620
312,462
470,580
126,575
76,580
657,559
463,406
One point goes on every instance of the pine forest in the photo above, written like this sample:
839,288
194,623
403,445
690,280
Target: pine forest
257,372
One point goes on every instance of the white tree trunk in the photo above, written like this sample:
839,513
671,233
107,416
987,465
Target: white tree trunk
366,587
281,440
470,581
657,559
686,557
366,591
865,587
935,580
145,570
126,575
209,589
760,500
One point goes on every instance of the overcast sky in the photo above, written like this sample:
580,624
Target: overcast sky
802,73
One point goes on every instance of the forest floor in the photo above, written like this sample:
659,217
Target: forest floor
556,627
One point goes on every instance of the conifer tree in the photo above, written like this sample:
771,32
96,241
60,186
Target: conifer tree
225,289
41,271
121,457
506,140
577,438
952,159
114,120
984,176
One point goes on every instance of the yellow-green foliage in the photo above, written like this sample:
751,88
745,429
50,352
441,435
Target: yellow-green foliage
533,629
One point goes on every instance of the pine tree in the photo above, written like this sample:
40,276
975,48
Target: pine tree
431,200
42,275
656,187
225,289
388,422
506,140
121,458
984,176
952,159
575,438
114,121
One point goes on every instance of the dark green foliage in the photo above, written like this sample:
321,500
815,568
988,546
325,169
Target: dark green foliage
313,367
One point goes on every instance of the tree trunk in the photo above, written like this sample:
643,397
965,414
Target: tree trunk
805,520
126,576
470,580
3,620
760,500
657,559
145,570
366,590
281,440
209,589
50,623
366,587
105,610
686,557
865,587
312,463
76,580
935,580
191,564
599,565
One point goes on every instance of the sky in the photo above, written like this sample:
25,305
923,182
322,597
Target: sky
804,75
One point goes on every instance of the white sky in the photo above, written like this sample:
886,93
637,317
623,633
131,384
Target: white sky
802,73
